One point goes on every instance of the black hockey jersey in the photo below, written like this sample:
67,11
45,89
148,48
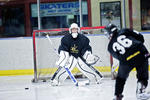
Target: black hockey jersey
127,45
76,47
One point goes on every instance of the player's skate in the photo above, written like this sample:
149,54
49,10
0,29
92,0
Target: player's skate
141,93
118,97
143,96
54,82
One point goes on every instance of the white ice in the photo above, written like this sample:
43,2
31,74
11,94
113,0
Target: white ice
13,88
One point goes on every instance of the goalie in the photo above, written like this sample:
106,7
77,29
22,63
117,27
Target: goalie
75,51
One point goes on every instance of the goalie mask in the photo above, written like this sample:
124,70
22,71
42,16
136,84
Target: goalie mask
111,29
74,30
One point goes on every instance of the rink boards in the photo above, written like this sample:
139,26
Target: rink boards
19,59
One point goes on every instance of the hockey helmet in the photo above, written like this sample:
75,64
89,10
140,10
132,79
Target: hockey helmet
111,29
74,25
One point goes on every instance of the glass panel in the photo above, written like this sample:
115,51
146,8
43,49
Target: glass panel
12,20
110,12
145,14
58,15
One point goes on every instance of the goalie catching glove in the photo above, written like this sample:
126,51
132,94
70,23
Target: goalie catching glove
90,58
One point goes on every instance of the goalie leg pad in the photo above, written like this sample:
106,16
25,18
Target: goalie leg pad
89,71
60,75
63,58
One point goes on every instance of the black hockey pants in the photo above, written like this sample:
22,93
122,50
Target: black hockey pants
123,73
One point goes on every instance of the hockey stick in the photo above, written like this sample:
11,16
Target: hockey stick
67,69
114,68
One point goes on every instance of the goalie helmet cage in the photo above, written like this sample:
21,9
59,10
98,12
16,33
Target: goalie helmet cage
44,52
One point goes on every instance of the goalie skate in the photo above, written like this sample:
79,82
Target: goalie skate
54,82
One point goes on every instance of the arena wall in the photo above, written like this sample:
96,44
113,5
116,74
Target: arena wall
16,54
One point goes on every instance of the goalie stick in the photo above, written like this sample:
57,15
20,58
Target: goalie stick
67,69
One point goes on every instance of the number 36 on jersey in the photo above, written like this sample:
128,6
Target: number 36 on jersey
121,43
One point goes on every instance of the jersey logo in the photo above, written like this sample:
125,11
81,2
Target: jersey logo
74,49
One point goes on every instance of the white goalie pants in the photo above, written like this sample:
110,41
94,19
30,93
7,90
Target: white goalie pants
90,72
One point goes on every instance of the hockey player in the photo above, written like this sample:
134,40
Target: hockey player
75,51
127,46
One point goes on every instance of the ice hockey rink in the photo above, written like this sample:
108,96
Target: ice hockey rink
21,88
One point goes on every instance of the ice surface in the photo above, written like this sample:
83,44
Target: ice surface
13,88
